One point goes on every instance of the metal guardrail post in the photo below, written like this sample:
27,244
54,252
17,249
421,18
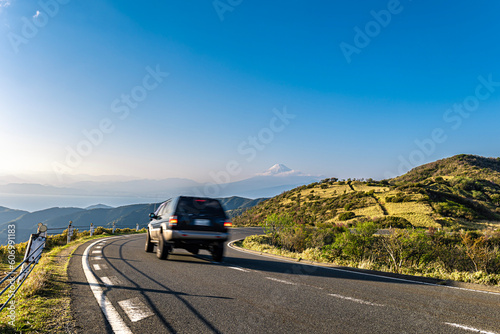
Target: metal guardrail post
91,229
70,231
114,227
32,255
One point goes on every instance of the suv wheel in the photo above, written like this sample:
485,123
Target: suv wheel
162,249
149,245
217,252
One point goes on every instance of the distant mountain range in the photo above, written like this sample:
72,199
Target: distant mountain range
57,219
272,182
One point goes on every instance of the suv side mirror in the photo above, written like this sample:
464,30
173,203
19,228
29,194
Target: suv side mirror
153,216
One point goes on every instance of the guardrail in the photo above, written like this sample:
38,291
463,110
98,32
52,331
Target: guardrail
32,255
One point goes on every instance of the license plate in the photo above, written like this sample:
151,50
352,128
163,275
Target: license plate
202,222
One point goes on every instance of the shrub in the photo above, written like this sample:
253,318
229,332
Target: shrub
346,215
453,209
393,221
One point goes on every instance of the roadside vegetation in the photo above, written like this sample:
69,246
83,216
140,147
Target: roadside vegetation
466,256
42,304
439,220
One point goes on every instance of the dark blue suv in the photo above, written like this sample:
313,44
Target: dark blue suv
191,223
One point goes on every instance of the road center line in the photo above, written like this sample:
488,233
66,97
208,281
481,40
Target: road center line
468,328
240,269
281,281
113,317
359,301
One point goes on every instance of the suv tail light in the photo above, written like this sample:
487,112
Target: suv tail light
173,221
228,224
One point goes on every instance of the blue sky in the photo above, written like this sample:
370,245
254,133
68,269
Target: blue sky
68,68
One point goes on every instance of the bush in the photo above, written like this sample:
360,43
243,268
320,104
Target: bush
346,215
453,209
393,221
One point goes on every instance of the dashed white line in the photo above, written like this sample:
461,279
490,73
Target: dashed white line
96,267
107,308
359,301
468,328
111,280
135,309
106,280
281,281
240,269
97,258
97,252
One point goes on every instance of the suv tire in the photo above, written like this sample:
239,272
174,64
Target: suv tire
162,249
149,245
217,251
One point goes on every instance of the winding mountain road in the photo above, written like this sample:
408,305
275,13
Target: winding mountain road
119,288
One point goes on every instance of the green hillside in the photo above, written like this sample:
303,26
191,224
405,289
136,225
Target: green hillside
461,192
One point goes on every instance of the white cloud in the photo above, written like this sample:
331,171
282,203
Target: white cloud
4,4
37,14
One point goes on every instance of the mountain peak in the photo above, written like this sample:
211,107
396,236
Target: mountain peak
278,169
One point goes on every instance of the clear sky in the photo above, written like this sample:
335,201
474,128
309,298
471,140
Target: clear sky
334,88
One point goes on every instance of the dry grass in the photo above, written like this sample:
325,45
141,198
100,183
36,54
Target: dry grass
404,207
373,211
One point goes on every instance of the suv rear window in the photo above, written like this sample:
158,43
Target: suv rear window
200,206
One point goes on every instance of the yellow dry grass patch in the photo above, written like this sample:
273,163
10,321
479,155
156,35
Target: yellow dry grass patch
419,219
367,188
331,191
373,211
417,207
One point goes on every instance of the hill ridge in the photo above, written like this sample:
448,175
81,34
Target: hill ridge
462,191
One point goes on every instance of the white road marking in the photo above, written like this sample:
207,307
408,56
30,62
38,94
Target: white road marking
359,301
469,328
135,309
97,267
106,280
97,258
97,252
240,269
111,280
281,281
107,308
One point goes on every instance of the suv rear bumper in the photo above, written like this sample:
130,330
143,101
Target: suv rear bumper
177,235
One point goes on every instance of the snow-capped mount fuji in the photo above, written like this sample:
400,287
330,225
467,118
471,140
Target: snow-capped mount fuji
272,182
278,169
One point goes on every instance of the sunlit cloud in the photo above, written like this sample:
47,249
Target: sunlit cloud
4,4
37,14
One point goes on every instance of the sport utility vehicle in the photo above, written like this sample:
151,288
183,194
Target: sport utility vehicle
191,223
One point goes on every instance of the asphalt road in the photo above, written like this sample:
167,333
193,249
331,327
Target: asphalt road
248,293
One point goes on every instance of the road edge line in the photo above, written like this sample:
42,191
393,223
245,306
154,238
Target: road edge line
107,308
285,259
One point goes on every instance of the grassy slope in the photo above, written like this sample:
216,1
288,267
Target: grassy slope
458,192
43,302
